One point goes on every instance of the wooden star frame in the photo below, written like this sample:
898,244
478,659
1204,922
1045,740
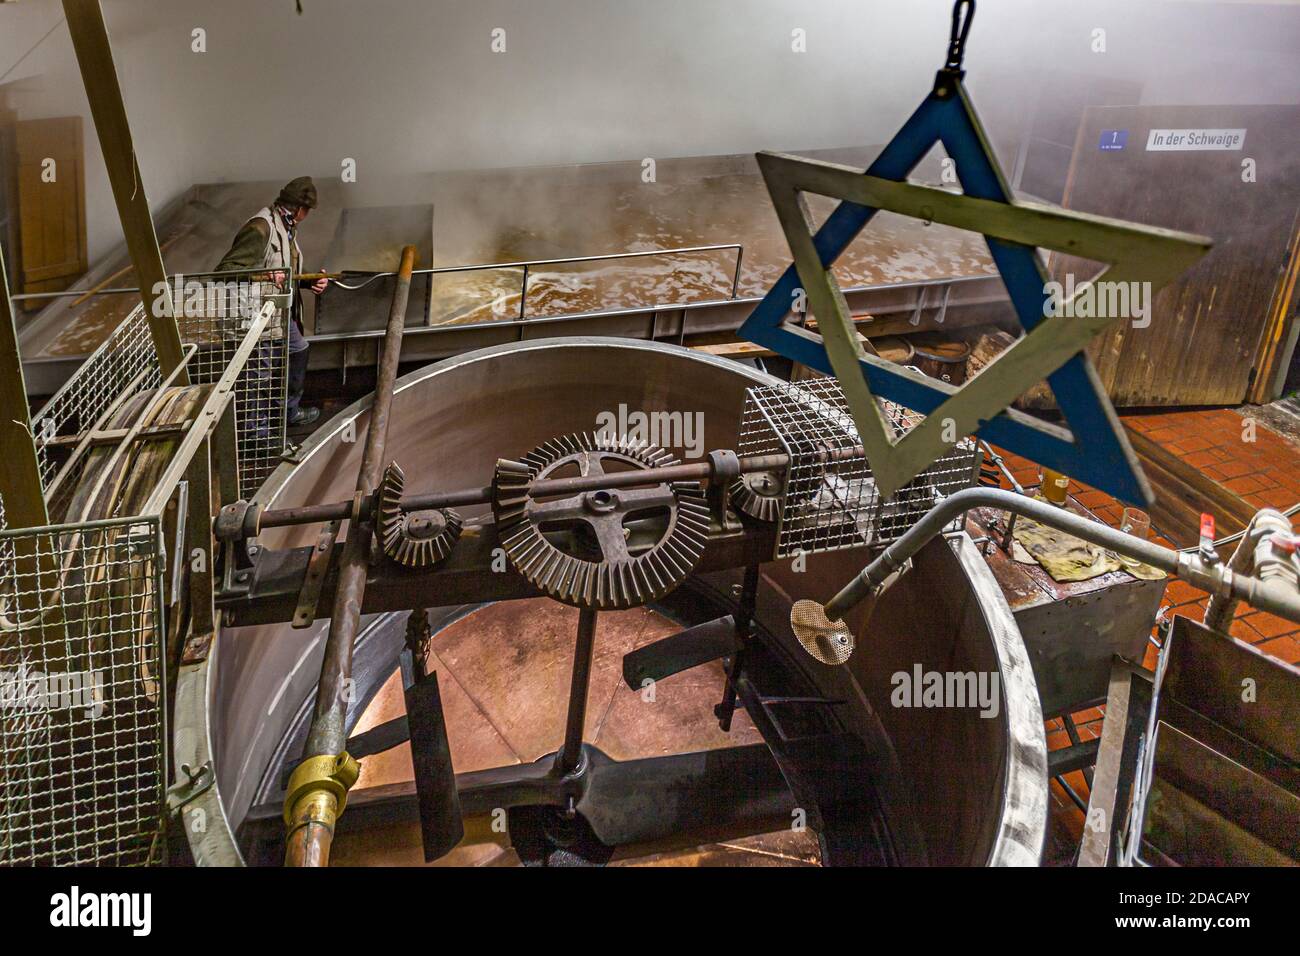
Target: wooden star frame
1094,449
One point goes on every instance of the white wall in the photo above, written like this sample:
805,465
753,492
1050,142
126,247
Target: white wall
46,83
411,86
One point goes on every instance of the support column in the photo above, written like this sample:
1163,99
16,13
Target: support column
95,57
21,489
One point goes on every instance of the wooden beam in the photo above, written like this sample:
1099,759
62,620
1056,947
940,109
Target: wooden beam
95,57
1182,493
20,472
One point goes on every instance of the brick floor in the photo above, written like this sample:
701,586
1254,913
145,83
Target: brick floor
1244,456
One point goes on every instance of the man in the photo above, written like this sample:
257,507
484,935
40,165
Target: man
269,241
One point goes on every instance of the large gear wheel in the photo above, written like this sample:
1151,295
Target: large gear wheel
578,549
416,539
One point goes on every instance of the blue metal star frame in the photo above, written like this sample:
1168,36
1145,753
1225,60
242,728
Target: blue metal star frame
1095,450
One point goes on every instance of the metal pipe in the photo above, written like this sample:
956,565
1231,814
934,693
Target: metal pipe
659,306
579,685
171,280
315,805
1273,596
550,488
1001,465
1254,554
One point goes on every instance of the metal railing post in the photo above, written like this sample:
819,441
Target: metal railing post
523,294
735,282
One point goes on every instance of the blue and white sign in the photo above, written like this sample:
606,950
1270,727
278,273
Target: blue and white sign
1112,140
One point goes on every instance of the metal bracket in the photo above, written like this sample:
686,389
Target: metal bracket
196,783
724,468
304,614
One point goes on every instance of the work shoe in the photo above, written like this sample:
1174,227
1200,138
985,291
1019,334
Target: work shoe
304,416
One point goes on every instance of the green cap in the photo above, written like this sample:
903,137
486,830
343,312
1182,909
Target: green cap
298,192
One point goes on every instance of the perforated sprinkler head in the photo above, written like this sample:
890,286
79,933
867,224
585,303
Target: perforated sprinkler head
831,642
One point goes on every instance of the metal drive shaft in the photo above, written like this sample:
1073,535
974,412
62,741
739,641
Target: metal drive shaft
318,787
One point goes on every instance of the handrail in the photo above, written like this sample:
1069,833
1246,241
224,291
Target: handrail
1273,596
525,264
419,331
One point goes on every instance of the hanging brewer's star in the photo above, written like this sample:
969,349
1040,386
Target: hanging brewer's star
1094,449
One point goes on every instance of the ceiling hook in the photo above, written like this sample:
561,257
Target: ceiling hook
960,31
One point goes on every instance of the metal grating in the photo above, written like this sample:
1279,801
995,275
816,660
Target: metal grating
82,691
830,501
125,363
215,314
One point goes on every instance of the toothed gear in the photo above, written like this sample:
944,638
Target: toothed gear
757,495
609,576
417,539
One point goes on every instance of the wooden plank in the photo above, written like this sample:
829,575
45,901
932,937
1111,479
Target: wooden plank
1274,355
21,489
95,57
734,349
1183,492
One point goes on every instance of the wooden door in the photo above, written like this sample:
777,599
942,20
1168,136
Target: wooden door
51,194
1213,334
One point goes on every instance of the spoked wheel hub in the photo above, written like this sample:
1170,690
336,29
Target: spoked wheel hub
608,548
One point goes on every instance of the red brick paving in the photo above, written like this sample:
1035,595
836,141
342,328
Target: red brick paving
1260,466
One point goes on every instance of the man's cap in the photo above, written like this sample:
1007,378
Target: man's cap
298,192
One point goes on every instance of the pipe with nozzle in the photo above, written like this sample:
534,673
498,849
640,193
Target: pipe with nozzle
1276,595
1267,551
318,786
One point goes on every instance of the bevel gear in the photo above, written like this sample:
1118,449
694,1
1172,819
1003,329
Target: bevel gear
757,495
416,539
577,549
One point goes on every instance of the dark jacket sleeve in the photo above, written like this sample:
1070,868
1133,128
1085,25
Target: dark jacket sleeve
247,249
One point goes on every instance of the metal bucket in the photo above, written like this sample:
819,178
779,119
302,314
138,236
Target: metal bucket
957,788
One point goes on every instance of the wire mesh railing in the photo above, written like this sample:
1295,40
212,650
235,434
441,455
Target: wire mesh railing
92,607
213,311
829,499
124,364
82,687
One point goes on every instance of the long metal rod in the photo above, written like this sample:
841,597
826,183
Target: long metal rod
579,687
549,488
312,820
95,58
1272,596
366,335
568,260
439,270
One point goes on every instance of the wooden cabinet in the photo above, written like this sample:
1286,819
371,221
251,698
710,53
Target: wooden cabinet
47,209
